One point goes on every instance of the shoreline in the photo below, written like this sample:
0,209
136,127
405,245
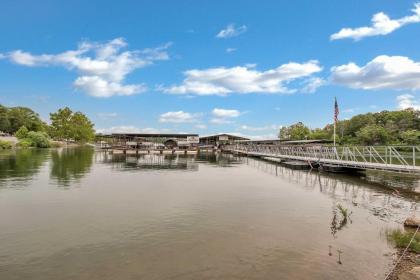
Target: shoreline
409,261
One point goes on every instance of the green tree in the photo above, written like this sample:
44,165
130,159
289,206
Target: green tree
22,116
319,134
356,123
4,119
372,135
66,125
411,137
82,128
297,131
22,132
60,127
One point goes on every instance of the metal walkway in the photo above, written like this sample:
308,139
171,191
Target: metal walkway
388,158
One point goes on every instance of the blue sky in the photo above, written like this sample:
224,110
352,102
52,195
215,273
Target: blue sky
244,67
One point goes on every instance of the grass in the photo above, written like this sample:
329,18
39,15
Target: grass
344,212
4,145
401,239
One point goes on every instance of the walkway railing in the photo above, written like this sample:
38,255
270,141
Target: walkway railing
393,158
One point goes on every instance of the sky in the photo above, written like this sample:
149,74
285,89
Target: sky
242,67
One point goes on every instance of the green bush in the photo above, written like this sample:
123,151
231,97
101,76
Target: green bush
4,145
411,137
24,143
373,134
35,139
22,132
38,139
402,239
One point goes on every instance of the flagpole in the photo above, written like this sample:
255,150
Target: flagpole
335,116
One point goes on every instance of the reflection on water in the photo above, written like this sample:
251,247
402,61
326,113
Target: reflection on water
21,165
218,159
148,162
381,201
402,182
209,216
68,165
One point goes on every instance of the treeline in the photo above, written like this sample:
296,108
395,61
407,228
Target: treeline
27,126
386,127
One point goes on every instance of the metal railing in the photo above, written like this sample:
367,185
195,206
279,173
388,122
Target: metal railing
392,156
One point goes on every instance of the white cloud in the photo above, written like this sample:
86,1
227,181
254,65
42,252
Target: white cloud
201,126
224,116
243,79
130,129
102,67
383,72
225,113
230,50
231,31
406,101
220,121
312,84
269,136
99,87
381,25
260,128
178,117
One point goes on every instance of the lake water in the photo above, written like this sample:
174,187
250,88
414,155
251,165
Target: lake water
80,214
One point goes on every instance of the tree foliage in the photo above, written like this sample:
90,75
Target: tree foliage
66,125
38,139
372,134
13,118
22,133
297,131
386,127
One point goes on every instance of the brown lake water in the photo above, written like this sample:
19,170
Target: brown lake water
80,214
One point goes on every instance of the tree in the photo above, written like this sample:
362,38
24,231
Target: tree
319,134
22,132
297,131
358,122
372,135
82,128
4,120
22,116
67,125
61,124
411,137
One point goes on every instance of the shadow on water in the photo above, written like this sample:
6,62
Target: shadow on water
151,162
356,190
21,165
70,164
218,159
146,162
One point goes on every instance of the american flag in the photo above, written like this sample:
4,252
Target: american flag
336,111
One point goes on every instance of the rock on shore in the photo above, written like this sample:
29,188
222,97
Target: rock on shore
413,274
412,222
